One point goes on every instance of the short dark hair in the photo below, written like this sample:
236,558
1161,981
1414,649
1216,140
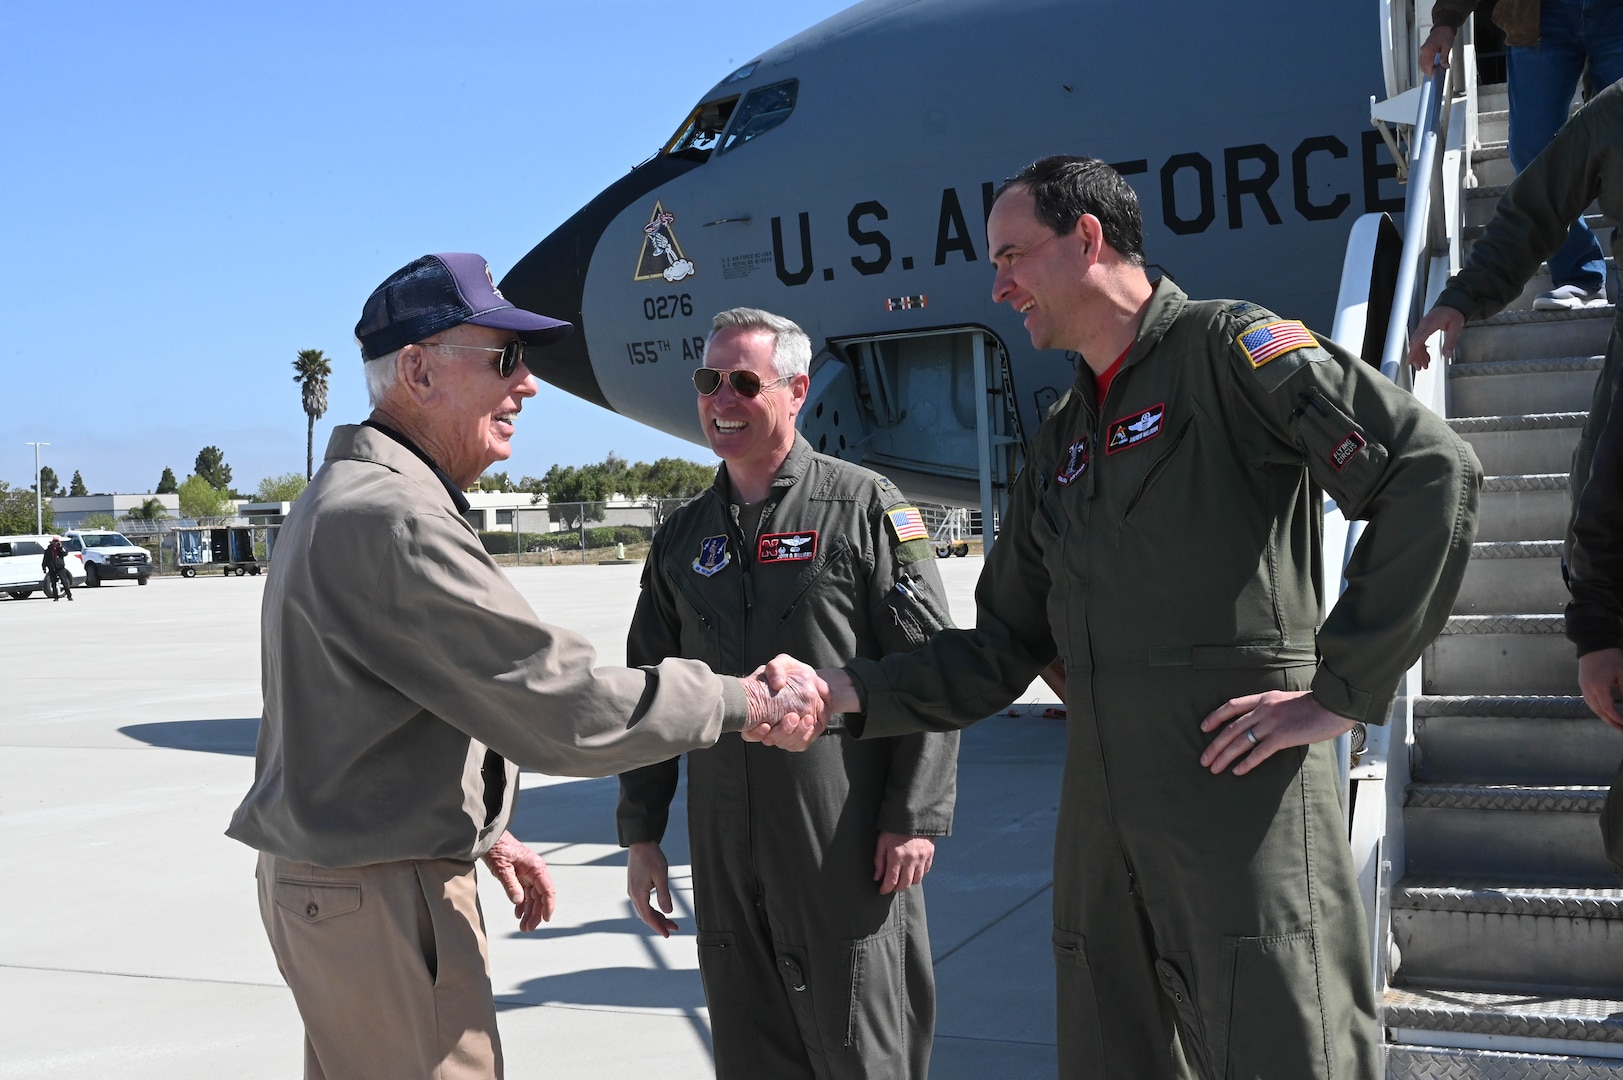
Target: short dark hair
1064,188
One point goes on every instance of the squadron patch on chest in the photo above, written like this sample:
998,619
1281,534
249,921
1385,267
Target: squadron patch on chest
787,547
1129,431
1346,450
713,555
1075,462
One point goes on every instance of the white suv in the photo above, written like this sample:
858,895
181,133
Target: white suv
20,571
109,556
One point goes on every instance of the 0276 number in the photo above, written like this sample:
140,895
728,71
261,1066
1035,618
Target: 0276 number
667,307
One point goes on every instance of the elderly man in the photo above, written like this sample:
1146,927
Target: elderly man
1163,540
813,944
405,681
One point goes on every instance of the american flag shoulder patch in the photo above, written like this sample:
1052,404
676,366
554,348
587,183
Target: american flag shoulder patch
1264,343
907,523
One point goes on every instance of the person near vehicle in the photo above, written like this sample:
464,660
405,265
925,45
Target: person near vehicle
1550,43
1164,541
813,943
58,582
1582,164
405,681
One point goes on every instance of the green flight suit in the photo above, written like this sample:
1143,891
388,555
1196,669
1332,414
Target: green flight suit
808,970
1167,547
1583,163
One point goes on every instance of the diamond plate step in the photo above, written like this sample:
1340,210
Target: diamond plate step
1522,443
1519,335
1507,740
1514,832
1447,1063
1521,577
1545,385
1580,1020
1502,654
1523,506
1488,935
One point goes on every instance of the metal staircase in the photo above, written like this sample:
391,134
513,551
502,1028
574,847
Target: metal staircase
1502,954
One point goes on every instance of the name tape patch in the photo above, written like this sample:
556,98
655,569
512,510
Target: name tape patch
787,547
1264,343
1346,450
1129,431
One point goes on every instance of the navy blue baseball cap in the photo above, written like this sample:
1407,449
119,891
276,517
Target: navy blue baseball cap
437,292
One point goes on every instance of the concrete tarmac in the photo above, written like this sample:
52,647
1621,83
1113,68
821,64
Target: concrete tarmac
131,945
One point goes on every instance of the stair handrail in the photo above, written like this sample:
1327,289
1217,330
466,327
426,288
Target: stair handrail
1423,215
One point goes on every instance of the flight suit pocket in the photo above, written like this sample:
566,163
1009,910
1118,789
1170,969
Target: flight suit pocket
1342,457
698,634
1276,1018
315,901
1081,1040
721,969
1169,971
874,1018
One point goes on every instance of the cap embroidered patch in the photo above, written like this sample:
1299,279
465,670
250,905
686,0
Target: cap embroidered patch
787,547
1075,463
907,523
1129,431
713,555
1275,339
1346,450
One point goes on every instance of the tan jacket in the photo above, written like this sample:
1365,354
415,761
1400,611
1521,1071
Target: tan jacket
405,679
1517,18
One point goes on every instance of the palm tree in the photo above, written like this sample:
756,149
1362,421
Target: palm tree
310,372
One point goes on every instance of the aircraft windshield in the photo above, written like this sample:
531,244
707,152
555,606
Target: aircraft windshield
701,131
762,110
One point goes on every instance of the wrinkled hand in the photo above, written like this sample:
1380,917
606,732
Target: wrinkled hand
1600,677
901,861
1436,49
1441,317
648,874
1278,719
786,704
525,878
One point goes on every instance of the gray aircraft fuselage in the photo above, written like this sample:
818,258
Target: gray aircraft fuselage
844,177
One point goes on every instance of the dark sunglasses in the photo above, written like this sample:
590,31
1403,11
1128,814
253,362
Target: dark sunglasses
512,354
707,380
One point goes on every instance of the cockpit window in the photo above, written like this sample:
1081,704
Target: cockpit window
701,131
742,73
762,110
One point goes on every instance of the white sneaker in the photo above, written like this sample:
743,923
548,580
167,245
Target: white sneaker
1570,298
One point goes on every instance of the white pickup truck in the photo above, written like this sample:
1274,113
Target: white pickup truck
109,556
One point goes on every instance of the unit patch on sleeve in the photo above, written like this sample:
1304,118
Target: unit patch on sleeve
713,555
1346,450
1075,463
1129,431
907,523
787,547
1264,343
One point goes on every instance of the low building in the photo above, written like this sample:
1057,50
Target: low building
71,510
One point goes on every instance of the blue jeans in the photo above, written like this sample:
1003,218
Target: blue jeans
1543,79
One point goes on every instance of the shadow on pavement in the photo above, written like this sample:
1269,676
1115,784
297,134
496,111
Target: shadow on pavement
612,987
209,736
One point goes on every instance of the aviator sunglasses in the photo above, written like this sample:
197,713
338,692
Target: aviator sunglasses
512,354
707,380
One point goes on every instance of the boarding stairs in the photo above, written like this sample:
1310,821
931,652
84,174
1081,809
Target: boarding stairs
1498,922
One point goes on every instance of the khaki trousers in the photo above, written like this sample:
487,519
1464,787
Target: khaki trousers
388,966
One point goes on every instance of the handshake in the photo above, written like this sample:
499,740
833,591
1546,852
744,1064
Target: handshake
791,703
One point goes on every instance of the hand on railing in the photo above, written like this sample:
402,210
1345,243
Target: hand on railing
1436,48
1441,318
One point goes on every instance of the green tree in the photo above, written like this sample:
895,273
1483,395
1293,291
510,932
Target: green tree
311,370
99,521
668,480
167,484
202,501
77,485
17,510
150,510
211,467
496,482
284,488
573,491
49,485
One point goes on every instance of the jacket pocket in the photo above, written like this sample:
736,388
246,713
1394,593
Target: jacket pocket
1160,465
1076,1005
875,1016
315,901
1276,1024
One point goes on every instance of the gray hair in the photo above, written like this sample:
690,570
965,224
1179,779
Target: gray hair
791,348
381,376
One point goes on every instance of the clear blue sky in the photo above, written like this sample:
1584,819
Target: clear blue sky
190,193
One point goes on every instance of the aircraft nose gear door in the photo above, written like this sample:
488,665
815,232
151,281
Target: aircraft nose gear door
932,410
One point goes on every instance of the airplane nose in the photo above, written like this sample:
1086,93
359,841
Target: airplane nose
551,279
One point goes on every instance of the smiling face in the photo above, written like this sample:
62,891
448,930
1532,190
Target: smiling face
1040,273
474,410
752,435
